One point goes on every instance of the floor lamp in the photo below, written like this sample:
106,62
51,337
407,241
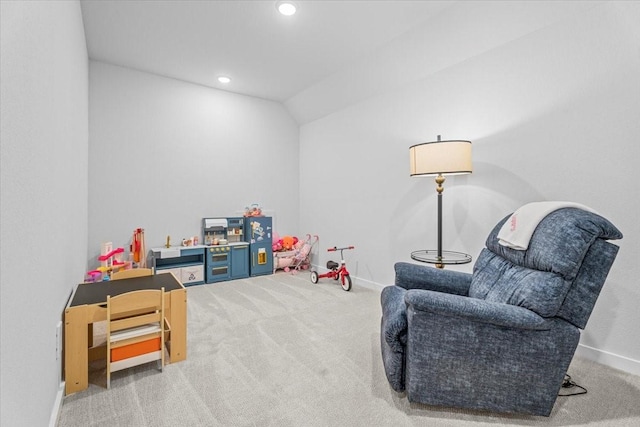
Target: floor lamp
440,158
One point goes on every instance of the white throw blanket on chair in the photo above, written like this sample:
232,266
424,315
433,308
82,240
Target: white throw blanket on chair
519,227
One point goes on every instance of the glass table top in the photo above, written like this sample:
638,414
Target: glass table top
448,257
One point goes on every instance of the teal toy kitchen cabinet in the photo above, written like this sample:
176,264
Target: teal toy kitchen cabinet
239,261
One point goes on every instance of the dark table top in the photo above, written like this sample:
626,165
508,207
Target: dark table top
96,293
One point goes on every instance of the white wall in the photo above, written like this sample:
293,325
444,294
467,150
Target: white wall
164,154
553,115
43,239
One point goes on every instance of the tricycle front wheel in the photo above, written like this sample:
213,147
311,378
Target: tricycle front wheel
346,282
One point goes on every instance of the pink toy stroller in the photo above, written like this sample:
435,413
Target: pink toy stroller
298,259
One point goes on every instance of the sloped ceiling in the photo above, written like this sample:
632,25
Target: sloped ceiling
327,56
267,55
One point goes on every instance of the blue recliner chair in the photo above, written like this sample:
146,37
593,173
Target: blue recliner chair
500,339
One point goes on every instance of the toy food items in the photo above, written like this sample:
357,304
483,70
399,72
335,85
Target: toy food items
253,210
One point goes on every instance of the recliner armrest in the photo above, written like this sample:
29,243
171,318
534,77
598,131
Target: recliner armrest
413,276
394,317
474,309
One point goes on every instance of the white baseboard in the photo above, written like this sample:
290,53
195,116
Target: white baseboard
57,406
368,284
612,360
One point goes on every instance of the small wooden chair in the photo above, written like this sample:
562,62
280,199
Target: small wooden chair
135,329
133,272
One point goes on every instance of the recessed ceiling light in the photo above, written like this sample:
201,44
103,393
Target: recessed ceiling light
286,8
224,79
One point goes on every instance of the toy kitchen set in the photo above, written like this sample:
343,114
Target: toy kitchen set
233,248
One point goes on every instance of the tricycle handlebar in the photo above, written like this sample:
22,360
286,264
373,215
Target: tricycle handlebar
333,249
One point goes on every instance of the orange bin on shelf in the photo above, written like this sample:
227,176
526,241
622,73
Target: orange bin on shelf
136,349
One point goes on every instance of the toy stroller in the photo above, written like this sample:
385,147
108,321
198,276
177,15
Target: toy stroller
300,258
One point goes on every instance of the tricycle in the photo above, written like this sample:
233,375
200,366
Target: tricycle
336,271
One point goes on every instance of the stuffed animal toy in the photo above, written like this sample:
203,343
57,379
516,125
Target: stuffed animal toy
288,242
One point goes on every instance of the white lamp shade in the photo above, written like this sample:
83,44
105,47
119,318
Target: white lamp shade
440,157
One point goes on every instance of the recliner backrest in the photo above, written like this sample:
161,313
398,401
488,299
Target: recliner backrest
560,274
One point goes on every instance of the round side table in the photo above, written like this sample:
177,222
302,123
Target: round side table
448,257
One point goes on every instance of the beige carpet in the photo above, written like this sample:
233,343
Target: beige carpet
279,351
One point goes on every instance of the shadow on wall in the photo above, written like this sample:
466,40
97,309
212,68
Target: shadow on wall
471,208
605,315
